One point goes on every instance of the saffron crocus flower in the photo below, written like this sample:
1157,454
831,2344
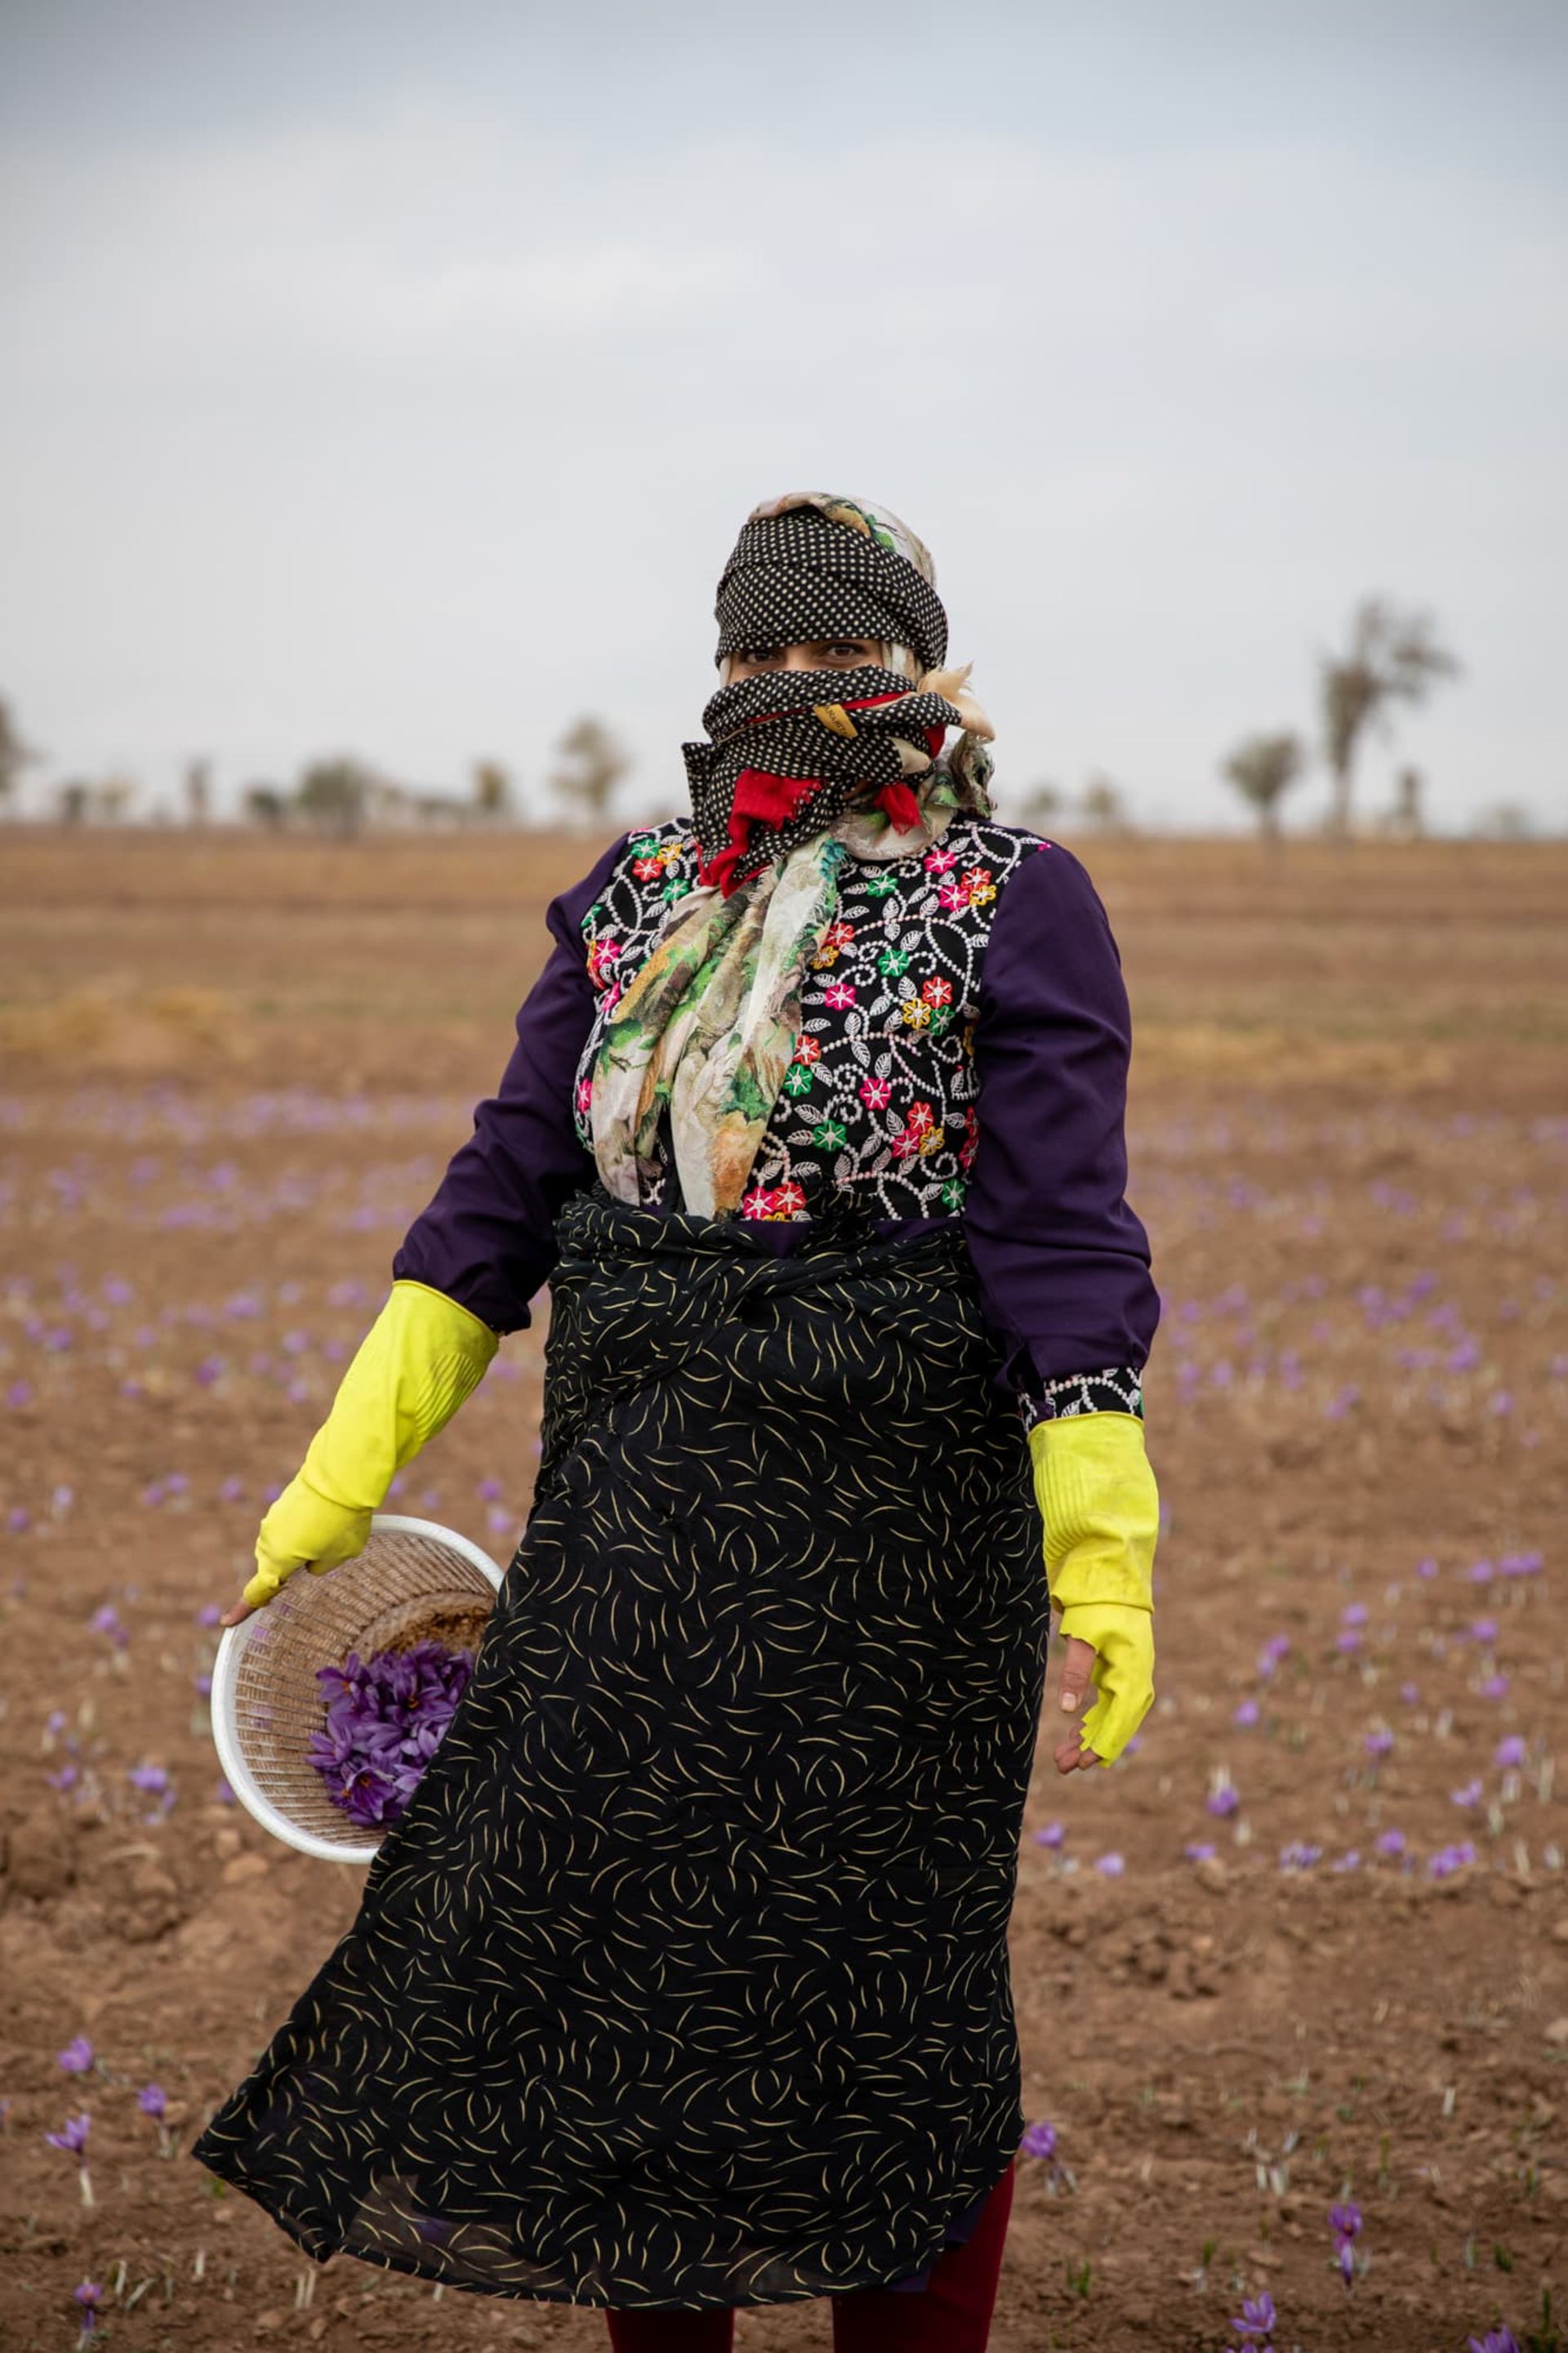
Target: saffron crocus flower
1257,2316
1198,1850
72,2135
88,2296
1112,1865
1496,2340
149,2099
1510,1751
1052,1835
1246,1713
1378,1741
1470,1795
1040,2140
1344,2221
1391,1842
77,2056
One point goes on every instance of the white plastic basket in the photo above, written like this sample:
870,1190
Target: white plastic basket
266,1701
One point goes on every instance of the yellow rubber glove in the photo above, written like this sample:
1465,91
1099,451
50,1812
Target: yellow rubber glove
1102,1511
420,1359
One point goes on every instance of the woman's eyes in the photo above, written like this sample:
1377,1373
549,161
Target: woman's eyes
845,650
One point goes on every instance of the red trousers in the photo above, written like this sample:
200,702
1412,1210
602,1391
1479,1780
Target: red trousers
950,2315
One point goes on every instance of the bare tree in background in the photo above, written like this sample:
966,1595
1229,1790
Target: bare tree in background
198,791
333,794
1103,805
1041,802
592,764
267,806
492,792
14,755
1406,821
1392,657
1263,769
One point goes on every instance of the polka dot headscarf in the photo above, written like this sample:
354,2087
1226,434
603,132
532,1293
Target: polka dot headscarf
813,565
788,750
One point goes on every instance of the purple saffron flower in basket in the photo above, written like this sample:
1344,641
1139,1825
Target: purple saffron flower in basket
384,1719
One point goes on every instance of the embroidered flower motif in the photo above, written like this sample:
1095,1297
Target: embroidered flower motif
584,1095
808,1050
838,934
676,887
893,962
831,1136
789,1200
602,954
797,1080
757,1203
920,1117
931,1141
916,1012
839,993
982,894
940,861
824,957
971,1144
935,990
881,886
953,894
952,1193
875,1093
648,870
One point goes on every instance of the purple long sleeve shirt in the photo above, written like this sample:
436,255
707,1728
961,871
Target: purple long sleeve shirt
1061,1261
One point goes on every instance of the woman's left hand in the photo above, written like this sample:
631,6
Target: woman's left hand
1110,1645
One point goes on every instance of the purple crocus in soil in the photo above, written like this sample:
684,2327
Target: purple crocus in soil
88,2295
77,2056
385,1718
1391,1842
1344,2221
1510,1751
1112,1865
72,2135
1470,1795
1496,2340
149,2099
1257,2316
1378,1741
1040,2140
1246,1713
1052,1835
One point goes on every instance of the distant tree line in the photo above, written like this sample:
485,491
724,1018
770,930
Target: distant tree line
344,797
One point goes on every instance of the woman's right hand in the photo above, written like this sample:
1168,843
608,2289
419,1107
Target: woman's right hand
303,1529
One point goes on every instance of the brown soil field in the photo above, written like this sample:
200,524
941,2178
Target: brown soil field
1307,1943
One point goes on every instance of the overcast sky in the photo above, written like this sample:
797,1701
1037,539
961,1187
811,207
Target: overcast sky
393,378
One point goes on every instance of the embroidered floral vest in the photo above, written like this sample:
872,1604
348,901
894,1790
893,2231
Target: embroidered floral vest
880,1098
880,1102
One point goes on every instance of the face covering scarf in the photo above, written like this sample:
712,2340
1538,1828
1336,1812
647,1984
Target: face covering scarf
801,770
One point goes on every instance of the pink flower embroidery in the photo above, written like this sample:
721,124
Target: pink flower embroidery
584,1095
906,1144
839,993
938,861
875,1092
953,894
757,1203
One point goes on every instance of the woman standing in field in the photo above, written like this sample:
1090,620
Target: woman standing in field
683,1982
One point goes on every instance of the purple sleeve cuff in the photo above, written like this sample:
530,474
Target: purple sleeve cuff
487,1238
1062,1261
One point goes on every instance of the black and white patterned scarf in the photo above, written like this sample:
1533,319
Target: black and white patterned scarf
789,751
